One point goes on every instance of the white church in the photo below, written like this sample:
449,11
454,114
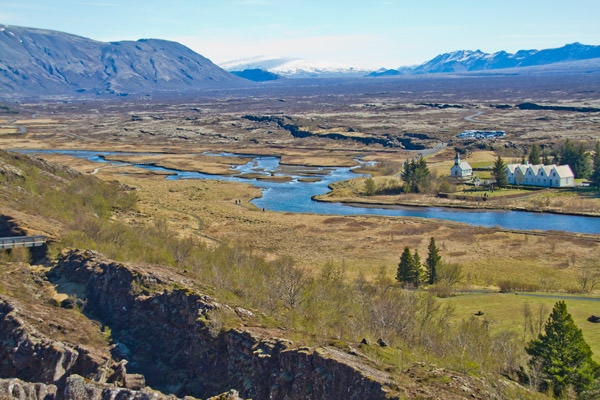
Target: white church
540,175
461,169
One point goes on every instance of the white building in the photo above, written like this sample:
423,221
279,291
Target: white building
540,175
461,169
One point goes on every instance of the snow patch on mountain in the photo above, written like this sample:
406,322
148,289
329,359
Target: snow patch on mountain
295,67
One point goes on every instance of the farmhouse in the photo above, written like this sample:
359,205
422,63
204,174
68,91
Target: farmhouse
461,168
540,175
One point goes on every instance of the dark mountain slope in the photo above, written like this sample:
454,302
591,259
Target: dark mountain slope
36,61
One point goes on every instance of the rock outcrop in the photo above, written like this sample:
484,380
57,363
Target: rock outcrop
20,390
79,388
184,343
169,335
27,354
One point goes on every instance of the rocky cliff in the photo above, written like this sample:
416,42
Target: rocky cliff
182,342
167,334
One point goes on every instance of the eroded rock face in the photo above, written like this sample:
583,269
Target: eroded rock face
169,336
79,388
20,390
27,354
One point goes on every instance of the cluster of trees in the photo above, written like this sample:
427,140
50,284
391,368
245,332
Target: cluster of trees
537,157
576,157
416,176
571,154
412,272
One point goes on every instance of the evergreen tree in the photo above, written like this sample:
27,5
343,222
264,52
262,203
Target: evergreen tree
595,178
575,157
534,155
417,275
499,173
406,268
561,353
416,174
433,261
545,158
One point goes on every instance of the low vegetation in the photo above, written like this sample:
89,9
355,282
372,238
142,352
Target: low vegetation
315,307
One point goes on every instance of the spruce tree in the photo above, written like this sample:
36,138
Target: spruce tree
575,157
499,173
595,178
406,267
433,261
545,158
418,269
561,353
417,175
534,155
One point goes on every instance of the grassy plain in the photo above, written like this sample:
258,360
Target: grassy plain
363,244
505,311
366,246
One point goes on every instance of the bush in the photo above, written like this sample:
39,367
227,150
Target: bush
441,290
514,286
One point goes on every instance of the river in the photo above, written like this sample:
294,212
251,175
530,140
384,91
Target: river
296,196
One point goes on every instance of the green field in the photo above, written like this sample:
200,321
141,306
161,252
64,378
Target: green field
504,311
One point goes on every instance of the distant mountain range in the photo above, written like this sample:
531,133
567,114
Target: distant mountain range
468,60
36,61
42,62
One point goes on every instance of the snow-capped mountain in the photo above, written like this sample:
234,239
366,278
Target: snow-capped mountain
295,68
469,60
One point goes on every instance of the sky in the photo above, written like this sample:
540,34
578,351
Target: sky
366,34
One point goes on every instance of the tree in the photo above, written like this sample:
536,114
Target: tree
545,158
499,173
562,355
575,157
534,155
406,269
595,178
433,261
418,269
416,174
370,186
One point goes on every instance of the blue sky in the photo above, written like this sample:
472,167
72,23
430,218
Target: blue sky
377,33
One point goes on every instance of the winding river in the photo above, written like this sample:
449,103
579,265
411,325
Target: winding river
296,195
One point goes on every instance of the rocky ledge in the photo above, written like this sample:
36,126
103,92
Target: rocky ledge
167,333
185,343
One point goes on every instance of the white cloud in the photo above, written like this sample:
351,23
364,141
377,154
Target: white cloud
367,51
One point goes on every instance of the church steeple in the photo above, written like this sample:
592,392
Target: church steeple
457,159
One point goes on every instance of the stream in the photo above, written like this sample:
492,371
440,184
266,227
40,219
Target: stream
296,195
